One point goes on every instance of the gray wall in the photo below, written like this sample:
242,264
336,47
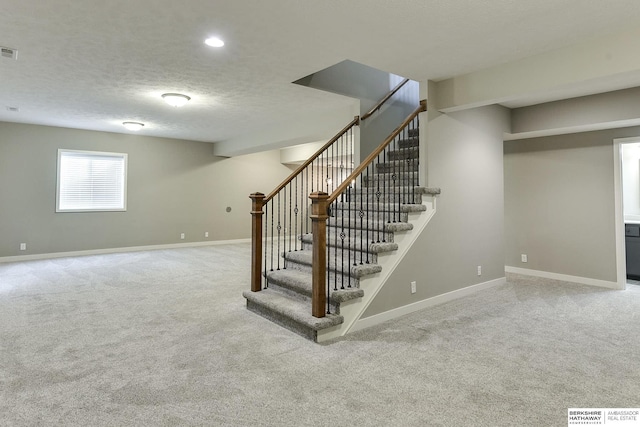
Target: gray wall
465,159
559,203
611,109
173,187
369,85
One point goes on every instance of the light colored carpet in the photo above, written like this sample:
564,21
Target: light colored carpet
163,338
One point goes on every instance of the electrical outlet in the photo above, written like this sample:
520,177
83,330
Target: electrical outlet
206,234
23,246
523,257
413,287
479,270
181,236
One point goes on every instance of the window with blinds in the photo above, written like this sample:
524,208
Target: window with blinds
91,181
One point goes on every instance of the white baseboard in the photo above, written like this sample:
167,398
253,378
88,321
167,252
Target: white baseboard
563,277
429,302
35,257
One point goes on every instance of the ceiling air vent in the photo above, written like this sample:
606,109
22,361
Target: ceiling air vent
7,52
13,109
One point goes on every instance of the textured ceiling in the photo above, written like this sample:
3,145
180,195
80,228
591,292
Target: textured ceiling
92,64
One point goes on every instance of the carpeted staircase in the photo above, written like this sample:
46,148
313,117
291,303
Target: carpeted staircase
287,299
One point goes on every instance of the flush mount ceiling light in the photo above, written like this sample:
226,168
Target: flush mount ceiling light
214,42
175,99
135,126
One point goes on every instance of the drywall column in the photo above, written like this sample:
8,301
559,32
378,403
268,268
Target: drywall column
464,159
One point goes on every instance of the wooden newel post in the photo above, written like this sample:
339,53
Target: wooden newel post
319,268
256,241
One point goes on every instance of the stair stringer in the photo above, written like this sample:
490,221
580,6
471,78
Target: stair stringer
353,310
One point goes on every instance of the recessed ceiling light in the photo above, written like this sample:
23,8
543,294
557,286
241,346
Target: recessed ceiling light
135,126
175,99
214,42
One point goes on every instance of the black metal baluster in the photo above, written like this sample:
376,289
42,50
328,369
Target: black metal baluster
335,251
361,214
295,223
272,238
414,153
321,172
278,228
396,173
416,176
328,277
342,236
403,165
350,193
384,175
266,238
369,208
284,229
288,230
312,180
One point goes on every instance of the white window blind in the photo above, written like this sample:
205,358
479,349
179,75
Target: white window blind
91,181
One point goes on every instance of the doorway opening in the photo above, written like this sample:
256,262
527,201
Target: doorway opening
627,210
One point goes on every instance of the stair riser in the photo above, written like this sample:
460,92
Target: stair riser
398,167
403,154
357,271
303,298
389,228
340,279
389,197
374,216
409,143
283,321
401,179
365,243
355,233
349,255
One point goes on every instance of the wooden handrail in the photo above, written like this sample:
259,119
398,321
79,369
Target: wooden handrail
383,100
371,157
354,122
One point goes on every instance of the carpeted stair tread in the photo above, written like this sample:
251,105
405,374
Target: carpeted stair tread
412,141
300,282
292,313
400,166
305,258
343,208
403,189
401,178
428,190
355,244
384,194
403,153
354,224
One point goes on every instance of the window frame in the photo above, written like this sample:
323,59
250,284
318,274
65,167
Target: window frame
123,156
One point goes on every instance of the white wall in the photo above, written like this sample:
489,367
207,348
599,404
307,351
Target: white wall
631,181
